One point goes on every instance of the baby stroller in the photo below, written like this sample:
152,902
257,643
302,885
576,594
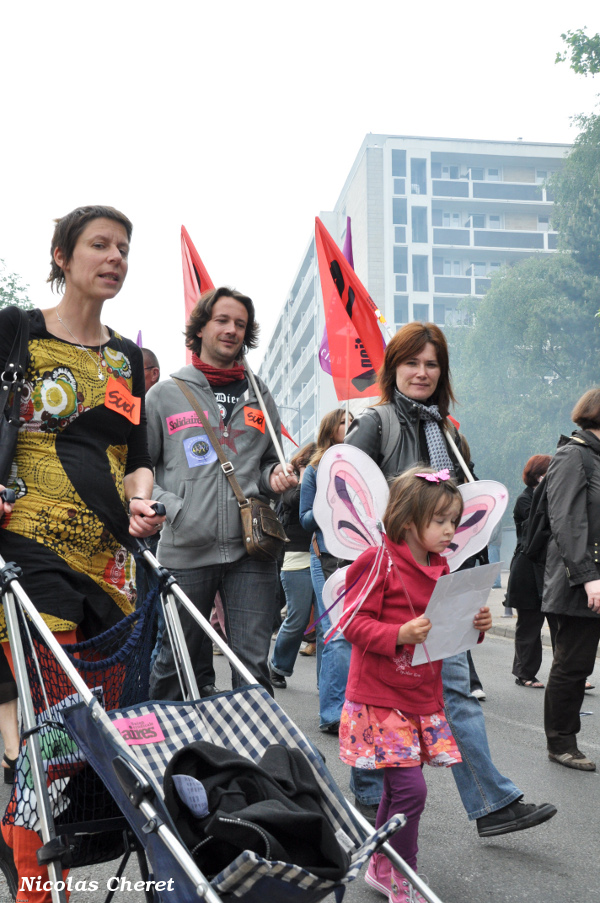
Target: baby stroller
93,766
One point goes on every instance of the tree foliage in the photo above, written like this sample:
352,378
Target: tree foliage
583,52
12,290
533,350
576,189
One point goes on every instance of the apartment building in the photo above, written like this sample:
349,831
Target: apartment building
432,219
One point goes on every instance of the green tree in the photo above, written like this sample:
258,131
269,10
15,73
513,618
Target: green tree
12,290
583,52
576,190
533,350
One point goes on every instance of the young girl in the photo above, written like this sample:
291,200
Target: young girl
393,716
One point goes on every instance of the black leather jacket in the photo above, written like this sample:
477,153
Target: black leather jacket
574,548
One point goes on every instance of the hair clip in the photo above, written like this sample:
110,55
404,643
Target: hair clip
441,475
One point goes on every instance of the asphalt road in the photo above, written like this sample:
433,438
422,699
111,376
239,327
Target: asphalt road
555,861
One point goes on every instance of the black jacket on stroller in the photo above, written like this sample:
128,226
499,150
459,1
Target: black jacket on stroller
272,808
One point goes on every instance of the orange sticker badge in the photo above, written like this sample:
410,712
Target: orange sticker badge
254,417
119,399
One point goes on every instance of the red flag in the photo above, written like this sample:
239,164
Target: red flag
285,433
356,345
195,278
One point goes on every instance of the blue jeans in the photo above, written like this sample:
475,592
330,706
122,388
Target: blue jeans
299,596
481,786
249,594
494,557
367,785
333,658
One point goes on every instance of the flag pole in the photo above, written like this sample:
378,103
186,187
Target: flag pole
270,427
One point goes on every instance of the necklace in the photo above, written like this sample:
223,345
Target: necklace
100,363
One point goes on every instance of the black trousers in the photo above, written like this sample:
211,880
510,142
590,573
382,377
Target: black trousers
575,648
528,643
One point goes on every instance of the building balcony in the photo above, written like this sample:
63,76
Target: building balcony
494,238
499,191
307,392
308,354
461,285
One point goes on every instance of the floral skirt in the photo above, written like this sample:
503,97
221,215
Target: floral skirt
374,737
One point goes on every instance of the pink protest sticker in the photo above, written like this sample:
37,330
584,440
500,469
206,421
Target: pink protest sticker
182,421
139,731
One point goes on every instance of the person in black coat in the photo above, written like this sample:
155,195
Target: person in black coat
295,577
572,580
525,583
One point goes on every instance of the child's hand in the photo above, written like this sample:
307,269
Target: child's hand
483,619
414,631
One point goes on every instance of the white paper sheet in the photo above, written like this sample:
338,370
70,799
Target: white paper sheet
454,603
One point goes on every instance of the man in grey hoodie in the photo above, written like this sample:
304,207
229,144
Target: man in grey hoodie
202,540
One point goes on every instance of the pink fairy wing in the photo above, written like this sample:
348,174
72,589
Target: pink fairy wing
485,503
350,501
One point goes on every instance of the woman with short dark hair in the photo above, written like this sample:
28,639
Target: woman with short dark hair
81,471
572,580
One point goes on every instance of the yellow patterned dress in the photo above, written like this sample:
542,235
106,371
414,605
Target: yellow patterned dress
69,527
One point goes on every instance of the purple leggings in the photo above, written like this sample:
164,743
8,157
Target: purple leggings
405,791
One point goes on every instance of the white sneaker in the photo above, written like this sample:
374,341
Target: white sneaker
479,694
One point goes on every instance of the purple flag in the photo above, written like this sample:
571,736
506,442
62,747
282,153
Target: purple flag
139,339
347,252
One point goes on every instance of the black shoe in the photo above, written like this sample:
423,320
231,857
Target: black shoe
515,817
208,690
333,728
8,867
367,811
277,680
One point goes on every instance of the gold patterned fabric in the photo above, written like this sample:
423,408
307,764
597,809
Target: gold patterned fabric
69,528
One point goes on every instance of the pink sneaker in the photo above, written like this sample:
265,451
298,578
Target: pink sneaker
379,874
402,890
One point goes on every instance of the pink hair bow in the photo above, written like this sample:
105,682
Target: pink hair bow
441,475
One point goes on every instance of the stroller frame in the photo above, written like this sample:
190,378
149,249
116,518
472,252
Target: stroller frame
138,786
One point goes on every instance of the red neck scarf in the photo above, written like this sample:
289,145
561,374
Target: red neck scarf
216,376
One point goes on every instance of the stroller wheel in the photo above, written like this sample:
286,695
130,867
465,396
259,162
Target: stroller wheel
8,867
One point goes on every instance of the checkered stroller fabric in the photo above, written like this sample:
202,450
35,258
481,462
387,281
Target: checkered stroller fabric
248,721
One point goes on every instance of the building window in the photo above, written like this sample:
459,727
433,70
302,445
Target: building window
400,283
477,173
401,260
493,175
421,312
400,235
418,176
543,223
439,314
541,175
399,211
494,222
400,309
399,163
419,273
476,221
419,224
476,269
399,186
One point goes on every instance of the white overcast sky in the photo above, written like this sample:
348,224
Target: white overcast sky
241,120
